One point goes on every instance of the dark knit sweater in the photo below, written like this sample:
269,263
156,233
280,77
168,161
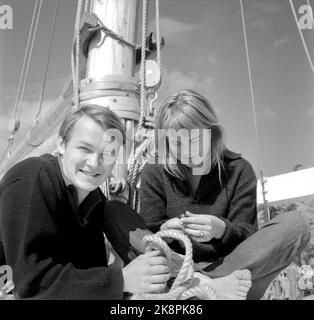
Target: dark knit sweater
55,247
234,202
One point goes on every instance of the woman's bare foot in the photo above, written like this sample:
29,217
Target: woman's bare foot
234,286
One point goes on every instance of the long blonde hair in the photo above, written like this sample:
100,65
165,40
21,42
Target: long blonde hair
187,109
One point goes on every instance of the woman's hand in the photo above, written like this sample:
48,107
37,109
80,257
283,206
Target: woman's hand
203,227
174,223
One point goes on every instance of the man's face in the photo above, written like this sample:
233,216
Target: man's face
87,156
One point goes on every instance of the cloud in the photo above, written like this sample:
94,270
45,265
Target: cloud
175,80
204,60
260,23
212,59
266,112
53,89
261,12
174,30
281,42
309,112
269,7
29,108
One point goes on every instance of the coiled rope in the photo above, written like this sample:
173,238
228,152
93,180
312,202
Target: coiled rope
75,57
181,288
143,64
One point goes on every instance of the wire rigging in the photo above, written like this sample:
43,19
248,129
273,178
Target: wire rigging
15,121
266,208
251,86
42,91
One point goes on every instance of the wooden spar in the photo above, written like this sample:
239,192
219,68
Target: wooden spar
109,81
42,138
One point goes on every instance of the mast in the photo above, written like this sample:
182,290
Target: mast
110,67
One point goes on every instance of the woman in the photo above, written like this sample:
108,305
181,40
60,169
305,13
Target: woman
201,188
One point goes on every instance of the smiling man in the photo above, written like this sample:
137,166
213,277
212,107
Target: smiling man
53,216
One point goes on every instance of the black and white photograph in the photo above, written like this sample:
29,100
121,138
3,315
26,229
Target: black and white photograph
156,150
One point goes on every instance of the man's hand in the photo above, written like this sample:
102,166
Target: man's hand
203,227
148,273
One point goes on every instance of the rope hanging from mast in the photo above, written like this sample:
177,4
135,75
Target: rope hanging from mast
143,64
266,207
149,84
75,56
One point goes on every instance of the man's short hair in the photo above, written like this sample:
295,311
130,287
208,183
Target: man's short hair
106,118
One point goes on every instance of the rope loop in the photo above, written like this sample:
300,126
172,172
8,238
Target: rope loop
181,288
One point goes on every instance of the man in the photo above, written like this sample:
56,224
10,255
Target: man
53,216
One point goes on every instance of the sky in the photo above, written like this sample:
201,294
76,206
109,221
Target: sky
204,51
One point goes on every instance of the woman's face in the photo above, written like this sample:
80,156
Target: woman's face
192,147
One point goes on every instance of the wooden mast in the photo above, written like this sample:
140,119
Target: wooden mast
109,81
110,68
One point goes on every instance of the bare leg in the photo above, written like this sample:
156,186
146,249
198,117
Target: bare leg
267,252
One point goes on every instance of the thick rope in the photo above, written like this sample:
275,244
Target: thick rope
139,133
301,35
112,34
144,122
75,56
180,288
143,66
87,6
158,34
41,97
135,169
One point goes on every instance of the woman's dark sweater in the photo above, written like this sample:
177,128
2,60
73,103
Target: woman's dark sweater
234,202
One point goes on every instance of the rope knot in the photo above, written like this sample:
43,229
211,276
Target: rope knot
181,288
